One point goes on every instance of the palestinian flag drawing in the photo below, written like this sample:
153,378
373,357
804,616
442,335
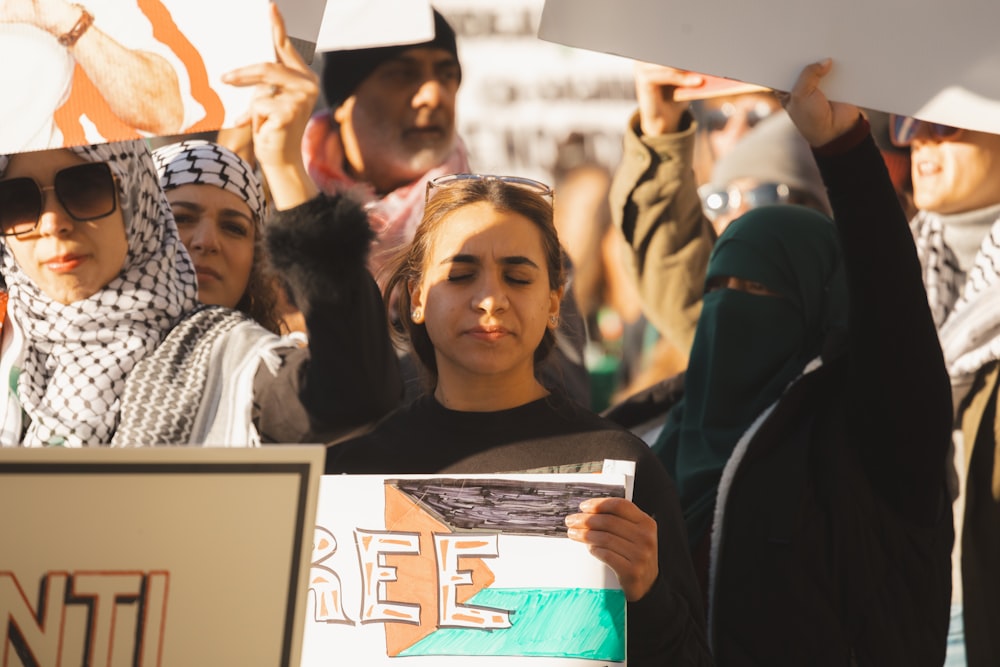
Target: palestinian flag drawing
455,567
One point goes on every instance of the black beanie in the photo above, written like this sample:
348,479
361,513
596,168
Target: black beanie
343,71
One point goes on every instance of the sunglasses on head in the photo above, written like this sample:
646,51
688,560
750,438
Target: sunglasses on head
85,191
719,202
451,179
716,120
903,129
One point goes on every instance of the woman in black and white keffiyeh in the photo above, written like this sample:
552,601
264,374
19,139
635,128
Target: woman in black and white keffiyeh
135,360
223,233
105,341
72,359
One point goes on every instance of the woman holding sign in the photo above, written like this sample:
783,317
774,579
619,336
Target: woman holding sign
479,291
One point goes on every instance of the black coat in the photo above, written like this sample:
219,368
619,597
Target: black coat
832,542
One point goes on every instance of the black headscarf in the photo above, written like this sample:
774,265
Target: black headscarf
748,348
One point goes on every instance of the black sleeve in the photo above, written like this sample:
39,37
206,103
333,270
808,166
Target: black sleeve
900,396
348,377
667,626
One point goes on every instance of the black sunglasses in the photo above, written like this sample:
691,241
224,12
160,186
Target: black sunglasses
716,120
903,129
85,191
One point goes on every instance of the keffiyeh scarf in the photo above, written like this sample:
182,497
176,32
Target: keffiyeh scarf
71,361
970,337
394,217
197,162
944,265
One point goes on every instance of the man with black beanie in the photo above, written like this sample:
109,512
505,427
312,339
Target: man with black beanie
390,128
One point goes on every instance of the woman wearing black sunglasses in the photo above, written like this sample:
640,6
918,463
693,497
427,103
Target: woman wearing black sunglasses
105,341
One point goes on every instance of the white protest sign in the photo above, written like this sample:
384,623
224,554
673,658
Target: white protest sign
166,60
935,60
155,556
302,22
448,571
356,24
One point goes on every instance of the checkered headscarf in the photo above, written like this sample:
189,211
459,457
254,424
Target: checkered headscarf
76,357
197,162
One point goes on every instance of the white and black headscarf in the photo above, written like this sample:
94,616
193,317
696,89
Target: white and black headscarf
970,337
198,162
75,357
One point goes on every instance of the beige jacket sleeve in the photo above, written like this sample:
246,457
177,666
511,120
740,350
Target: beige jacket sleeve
654,202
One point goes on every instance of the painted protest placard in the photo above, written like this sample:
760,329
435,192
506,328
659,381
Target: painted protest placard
155,556
937,61
108,70
442,570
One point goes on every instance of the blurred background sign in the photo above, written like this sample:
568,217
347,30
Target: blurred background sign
521,97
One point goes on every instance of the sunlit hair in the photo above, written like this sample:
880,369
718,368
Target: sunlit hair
406,267
260,299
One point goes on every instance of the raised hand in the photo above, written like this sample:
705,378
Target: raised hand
622,536
286,94
659,113
818,119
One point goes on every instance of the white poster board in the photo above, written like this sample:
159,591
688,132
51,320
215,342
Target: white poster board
155,556
59,96
446,571
933,60
355,24
302,23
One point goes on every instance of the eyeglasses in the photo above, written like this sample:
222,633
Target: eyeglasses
719,202
903,129
86,192
716,120
451,179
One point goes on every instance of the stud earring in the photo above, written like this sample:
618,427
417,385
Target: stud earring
417,315
553,320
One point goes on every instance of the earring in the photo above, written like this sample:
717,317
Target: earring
417,315
553,320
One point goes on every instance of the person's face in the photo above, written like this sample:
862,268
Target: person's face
400,122
485,296
217,228
954,175
68,260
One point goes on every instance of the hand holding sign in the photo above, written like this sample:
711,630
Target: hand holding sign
660,111
819,120
622,536
286,93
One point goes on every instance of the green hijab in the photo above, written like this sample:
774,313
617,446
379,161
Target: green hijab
748,348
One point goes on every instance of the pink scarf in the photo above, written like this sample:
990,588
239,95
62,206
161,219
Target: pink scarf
394,217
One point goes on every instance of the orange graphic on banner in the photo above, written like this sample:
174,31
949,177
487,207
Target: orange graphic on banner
419,575
85,100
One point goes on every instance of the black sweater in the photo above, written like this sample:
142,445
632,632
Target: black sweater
552,434
349,375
